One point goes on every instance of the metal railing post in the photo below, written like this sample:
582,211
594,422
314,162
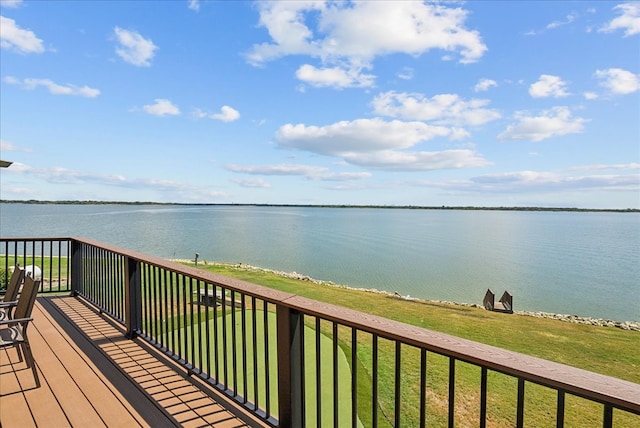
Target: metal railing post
290,367
76,259
132,298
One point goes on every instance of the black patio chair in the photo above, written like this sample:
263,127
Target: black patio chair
13,332
8,301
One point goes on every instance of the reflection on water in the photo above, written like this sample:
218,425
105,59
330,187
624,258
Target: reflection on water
566,262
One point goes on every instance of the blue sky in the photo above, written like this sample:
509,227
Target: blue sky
392,103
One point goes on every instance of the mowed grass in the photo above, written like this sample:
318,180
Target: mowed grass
54,269
609,351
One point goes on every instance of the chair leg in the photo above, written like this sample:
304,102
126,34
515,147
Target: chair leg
31,362
19,351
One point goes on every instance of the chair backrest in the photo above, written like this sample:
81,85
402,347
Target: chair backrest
14,284
27,298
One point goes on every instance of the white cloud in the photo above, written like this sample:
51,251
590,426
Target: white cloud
256,183
411,28
194,5
60,175
590,96
550,181
10,3
133,48
521,177
335,77
308,171
279,169
361,135
169,189
394,160
539,182
342,176
19,192
14,38
553,25
629,19
548,86
444,109
619,81
484,85
550,123
54,88
6,146
285,23
377,143
227,114
162,107
569,19
406,73
602,167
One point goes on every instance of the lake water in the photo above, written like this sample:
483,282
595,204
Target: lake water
565,262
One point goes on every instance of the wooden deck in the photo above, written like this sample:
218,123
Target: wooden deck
92,376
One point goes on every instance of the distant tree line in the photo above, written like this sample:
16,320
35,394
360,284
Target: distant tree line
403,207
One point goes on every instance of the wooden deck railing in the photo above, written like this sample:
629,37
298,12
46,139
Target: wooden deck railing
296,362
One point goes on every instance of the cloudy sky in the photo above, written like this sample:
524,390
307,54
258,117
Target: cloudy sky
310,102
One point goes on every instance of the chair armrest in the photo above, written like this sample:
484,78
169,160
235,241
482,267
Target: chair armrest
8,304
15,321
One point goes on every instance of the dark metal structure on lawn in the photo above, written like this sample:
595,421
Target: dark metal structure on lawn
505,304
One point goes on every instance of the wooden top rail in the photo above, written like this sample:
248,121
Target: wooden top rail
620,393
31,239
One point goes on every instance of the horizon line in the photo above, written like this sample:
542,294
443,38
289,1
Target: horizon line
378,206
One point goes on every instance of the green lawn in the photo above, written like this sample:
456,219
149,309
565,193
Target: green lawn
52,269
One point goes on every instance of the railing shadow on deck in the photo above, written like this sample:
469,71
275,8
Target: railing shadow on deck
155,386
292,361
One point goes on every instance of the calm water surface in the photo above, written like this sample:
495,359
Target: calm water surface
565,262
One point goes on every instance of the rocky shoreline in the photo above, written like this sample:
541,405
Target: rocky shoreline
576,319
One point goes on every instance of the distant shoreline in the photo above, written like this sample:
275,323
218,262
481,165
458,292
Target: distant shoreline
401,207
